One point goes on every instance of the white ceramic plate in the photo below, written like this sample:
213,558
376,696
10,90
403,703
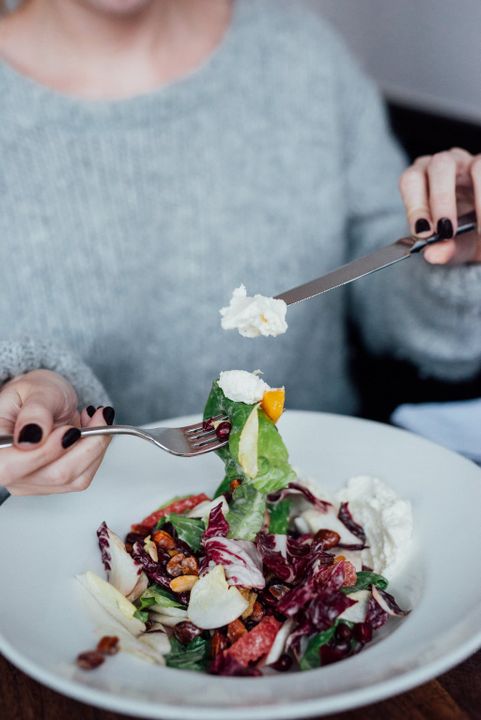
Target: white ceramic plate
46,541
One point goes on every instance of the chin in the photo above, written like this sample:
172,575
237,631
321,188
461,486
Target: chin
119,7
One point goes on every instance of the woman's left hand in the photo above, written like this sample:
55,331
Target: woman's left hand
435,190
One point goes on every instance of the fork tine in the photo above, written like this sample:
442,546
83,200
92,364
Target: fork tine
206,447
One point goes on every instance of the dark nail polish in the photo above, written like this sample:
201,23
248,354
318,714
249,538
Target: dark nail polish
99,406
422,225
90,410
445,229
109,414
70,437
31,433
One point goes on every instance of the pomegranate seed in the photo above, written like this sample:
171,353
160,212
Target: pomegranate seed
186,631
223,430
363,632
90,660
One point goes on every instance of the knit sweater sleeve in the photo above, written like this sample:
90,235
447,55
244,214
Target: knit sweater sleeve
26,354
427,314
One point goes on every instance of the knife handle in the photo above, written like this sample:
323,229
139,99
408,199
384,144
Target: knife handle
466,223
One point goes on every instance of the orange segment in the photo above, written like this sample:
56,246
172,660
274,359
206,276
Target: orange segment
273,403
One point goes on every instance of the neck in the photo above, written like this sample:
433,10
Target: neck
75,48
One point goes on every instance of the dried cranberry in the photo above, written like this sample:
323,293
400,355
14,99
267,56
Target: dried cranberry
343,632
186,631
223,430
283,664
108,645
334,653
90,660
328,538
363,632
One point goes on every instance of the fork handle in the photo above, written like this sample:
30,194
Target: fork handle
6,441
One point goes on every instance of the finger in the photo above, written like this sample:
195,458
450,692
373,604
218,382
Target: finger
15,465
414,192
68,469
475,171
78,484
101,416
35,420
86,415
10,404
441,173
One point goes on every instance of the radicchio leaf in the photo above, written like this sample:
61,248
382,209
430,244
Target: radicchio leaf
285,556
103,537
376,617
344,515
154,570
294,488
387,603
217,525
240,558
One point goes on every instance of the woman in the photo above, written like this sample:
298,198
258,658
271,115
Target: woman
156,154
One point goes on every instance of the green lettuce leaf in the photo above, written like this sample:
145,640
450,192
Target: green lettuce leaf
157,595
274,471
192,656
311,658
364,581
246,513
279,517
188,529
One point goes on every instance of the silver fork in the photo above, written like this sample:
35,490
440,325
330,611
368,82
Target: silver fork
187,441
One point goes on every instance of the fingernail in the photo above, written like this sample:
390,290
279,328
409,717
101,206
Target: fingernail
109,414
99,406
422,225
445,228
70,437
90,410
31,433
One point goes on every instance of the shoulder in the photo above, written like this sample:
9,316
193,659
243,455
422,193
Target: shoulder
294,28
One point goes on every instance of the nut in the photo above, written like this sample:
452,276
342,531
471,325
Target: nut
251,598
164,540
235,630
183,583
174,566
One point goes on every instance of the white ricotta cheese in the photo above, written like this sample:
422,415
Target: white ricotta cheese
254,316
242,386
386,518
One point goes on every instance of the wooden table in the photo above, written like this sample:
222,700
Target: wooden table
453,696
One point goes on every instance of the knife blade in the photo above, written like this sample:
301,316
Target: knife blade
386,256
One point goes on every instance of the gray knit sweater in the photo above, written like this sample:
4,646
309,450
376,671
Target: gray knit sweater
125,226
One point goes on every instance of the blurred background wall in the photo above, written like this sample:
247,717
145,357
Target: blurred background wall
426,57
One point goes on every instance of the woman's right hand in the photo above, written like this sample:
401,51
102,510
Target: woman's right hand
40,410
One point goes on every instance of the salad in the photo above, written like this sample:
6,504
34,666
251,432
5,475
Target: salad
266,575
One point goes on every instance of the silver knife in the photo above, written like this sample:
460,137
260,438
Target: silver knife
382,258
